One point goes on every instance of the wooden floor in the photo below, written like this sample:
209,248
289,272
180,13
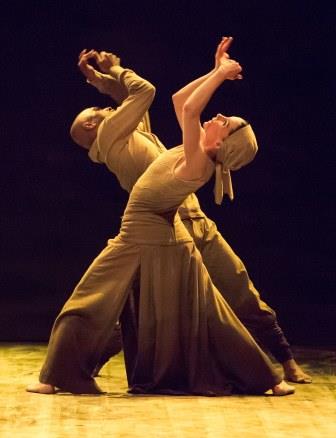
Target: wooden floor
311,412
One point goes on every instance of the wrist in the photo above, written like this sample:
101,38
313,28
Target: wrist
115,71
222,72
94,78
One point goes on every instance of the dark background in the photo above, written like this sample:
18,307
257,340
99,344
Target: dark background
58,208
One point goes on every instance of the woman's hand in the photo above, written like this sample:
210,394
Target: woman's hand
230,69
222,49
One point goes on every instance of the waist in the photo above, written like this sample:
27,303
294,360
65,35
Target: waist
153,229
190,208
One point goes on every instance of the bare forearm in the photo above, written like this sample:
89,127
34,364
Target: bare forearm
198,99
180,97
191,111
183,94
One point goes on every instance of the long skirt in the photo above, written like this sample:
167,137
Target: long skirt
187,339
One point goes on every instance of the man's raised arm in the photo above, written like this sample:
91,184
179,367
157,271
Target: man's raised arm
124,120
107,81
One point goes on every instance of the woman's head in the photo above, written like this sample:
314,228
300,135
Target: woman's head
236,151
220,127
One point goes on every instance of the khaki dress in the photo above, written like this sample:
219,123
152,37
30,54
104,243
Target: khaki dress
189,340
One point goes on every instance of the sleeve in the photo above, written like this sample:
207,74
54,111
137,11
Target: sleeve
107,84
124,120
146,123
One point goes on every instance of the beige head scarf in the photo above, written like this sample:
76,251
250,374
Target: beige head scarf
237,150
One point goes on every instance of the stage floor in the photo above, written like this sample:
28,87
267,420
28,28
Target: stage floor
310,412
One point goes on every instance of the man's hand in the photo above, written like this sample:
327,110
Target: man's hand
100,77
106,60
222,49
83,63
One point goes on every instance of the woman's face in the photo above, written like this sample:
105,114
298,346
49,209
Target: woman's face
220,127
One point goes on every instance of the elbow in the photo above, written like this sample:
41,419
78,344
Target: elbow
149,90
143,88
188,110
177,100
176,103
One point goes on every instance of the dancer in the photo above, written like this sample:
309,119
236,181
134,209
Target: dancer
189,340
127,147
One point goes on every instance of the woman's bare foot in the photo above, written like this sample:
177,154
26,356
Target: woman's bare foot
283,388
41,388
294,373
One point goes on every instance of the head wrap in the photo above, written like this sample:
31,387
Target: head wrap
237,150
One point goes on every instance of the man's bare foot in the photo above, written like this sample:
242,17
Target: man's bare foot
283,389
294,373
41,388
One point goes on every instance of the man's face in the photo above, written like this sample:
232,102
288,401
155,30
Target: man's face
95,113
84,127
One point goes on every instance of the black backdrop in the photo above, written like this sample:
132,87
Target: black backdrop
58,208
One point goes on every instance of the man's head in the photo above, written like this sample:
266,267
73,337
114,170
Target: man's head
84,128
